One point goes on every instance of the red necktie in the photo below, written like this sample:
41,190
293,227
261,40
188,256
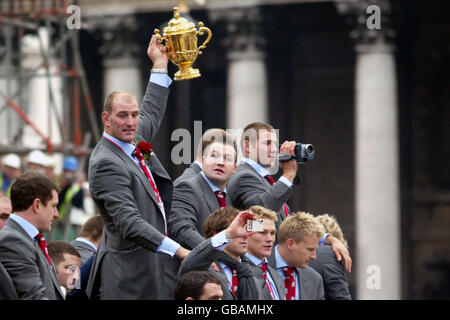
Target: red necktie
272,181
268,286
221,198
289,282
264,270
43,246
137,153
234,281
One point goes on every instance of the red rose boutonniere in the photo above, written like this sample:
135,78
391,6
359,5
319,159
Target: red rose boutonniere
145,148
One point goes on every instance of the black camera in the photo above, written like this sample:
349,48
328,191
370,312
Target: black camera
303,152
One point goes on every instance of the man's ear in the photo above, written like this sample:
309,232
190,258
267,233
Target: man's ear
246,147
290,243
36,205
105,118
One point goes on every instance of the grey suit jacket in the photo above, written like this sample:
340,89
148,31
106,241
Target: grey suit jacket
201,257
188,173
84,249
7,290
27,266
192,203
332,272
126,265
311,284
247,188
277,279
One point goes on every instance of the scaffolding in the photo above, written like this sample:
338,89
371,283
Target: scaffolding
56,55
58,46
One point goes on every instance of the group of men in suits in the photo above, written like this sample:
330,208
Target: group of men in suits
156,230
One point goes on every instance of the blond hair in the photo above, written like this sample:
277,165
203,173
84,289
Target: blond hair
298,225
263,213
332,227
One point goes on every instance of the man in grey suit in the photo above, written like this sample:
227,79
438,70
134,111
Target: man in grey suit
298,238
7,290
260,245
253,185
195,198
332,271
23,250
89,240
226,247
133,196
197,166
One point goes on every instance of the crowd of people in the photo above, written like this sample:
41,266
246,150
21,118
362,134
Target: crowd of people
156,239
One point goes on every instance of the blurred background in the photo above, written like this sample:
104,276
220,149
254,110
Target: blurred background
366,82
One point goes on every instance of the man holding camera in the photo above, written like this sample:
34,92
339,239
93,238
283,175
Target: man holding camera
252,184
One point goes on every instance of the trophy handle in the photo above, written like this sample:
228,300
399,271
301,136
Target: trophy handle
200,31
160,39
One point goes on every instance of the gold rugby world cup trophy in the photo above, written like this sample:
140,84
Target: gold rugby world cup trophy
180,38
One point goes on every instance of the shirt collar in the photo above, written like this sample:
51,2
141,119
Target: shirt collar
30,229
255,260
258,168
199,164
128,148
279,260
214,188
87,242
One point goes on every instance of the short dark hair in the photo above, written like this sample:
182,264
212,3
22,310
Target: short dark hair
56,250
216,135
191,284
111,98
219,220
254,128
29,186
92,228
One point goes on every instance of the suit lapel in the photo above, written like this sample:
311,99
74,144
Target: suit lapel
281,289
133,166
208,194
304,285
43,259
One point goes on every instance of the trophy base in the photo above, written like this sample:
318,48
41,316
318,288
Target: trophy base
186,74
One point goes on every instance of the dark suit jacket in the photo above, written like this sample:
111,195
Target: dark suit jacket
277,279
332,272
247,188
311,284
27,266
200,259
7,290
188,173
84,249
193,201
126,263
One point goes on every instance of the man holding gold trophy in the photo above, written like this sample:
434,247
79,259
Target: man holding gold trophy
130,186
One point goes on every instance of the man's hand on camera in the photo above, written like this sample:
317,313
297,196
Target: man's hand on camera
289,167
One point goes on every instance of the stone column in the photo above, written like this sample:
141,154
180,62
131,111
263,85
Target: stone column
377,208
247,79
120,50
9,121
42,88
